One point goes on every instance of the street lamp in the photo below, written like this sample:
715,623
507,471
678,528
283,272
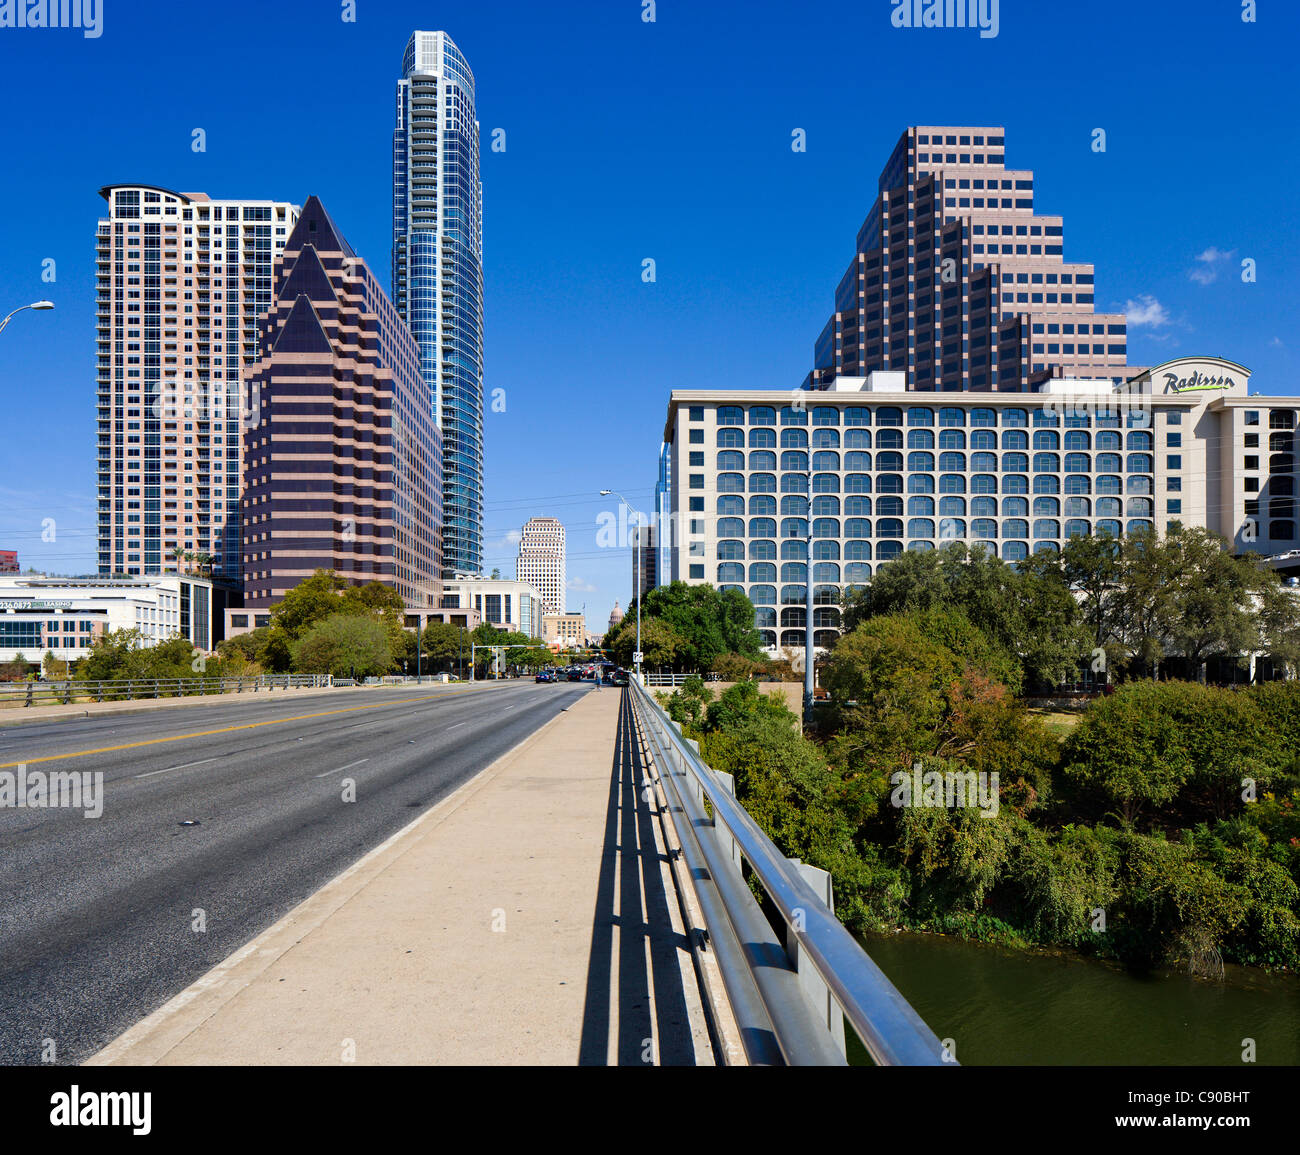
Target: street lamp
636,572
40,306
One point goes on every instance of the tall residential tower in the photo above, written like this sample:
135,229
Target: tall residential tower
438,270
182,280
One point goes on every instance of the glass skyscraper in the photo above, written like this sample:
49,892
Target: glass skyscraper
438,270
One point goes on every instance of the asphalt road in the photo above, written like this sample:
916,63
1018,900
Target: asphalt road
98,915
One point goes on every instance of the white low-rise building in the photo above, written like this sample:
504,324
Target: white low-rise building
64,616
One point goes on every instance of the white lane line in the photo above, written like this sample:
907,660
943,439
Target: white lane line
341,768
169,769
457,724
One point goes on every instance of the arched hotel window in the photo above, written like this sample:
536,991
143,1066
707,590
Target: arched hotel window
731,506
731,415
731,438
793,416
762,439
794,439
762,415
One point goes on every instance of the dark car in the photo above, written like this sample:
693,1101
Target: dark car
545,676
621,678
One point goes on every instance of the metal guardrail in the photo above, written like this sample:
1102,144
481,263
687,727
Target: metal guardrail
790,999
131,689
675,679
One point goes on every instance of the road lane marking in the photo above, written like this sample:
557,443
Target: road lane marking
341,768
457,724
223,730
185,766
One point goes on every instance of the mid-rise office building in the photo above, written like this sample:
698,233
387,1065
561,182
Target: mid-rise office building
438,270
541,561
343,455
958,282
182,280
764,487
66,616
564,631
515,606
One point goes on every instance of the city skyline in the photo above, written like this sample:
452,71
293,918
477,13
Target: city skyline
1174,257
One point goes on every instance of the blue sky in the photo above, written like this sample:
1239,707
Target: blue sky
628,140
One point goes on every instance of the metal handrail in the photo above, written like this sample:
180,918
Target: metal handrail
130,689
890,1029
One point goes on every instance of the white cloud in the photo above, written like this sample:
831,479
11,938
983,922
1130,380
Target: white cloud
1146,311
578,586
1276,343
1207,270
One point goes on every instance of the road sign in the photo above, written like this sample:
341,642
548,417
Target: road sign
638,658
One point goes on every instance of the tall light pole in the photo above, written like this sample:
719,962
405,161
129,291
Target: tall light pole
809,659
636,572
40,306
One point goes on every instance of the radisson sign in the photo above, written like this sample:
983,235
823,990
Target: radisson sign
1196,382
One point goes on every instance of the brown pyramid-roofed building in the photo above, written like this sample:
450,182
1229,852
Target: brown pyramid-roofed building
343,459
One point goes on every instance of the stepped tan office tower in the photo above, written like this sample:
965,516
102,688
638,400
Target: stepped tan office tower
182,280
343,457
438,270
541,561
853,476
959,283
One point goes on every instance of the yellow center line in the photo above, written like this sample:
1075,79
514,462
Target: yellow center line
229,729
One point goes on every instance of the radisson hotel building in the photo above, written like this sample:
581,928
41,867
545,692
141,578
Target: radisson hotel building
905,437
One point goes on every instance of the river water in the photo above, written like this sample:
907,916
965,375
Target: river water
1011,1007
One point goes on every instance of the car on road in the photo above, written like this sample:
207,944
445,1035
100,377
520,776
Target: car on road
545,676
621,678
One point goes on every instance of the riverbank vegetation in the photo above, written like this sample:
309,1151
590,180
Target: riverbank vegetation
1162,827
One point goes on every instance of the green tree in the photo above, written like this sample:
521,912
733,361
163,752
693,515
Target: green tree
1211,610
1129,750
708,622
444,644
344,645
662,645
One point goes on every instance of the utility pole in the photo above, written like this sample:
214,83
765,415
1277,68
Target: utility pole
636,571
809,668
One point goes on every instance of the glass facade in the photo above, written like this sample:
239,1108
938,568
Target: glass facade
438,273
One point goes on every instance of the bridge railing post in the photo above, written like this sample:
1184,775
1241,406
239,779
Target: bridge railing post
819,994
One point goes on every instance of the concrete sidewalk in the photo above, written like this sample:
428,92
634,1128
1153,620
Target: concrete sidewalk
529,918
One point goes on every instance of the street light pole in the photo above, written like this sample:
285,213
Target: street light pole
636,572
40,306
809,659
